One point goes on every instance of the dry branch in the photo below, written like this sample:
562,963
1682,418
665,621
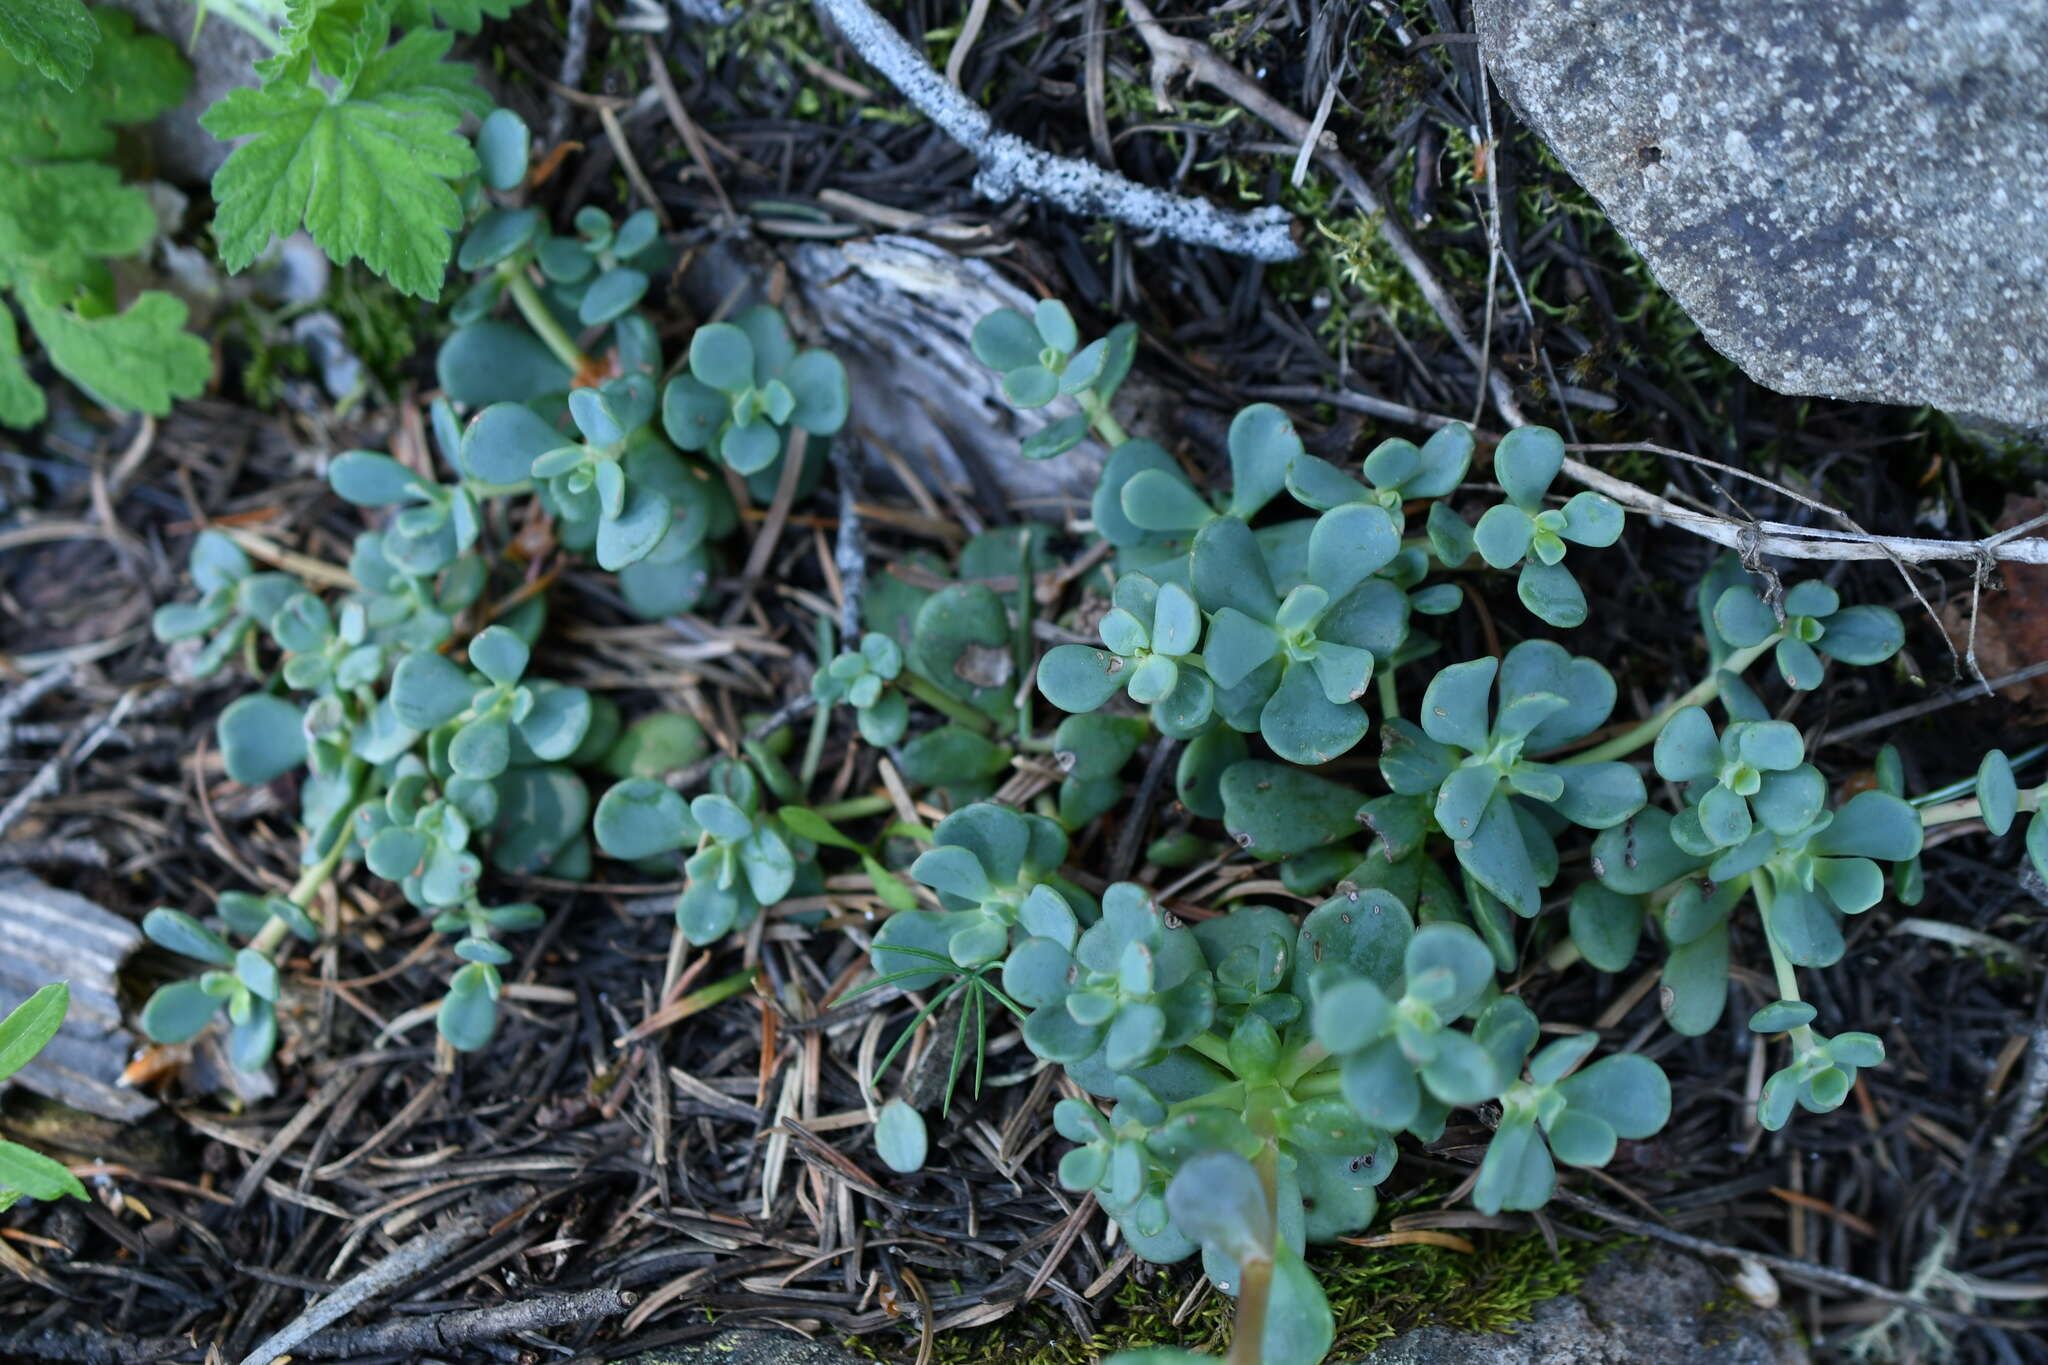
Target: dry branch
1011,168
1810,542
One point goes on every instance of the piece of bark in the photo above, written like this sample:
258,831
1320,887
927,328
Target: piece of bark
46,935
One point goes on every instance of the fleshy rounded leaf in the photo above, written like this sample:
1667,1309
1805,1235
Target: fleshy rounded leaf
261,737
900,1138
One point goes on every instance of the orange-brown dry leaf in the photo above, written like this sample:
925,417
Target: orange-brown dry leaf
2012,626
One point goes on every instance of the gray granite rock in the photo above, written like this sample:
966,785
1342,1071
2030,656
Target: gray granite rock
743,1347
1851,198
1641,1305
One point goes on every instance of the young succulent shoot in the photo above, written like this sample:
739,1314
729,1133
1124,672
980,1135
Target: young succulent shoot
1815,623
1403,1065
1123,986
1822,1071
747,387
1396,473
1754,769
1468,759
234,602
1304,660
738,861
996,873
1041,358
486,712
242,984
1559,1114
468,1014
1150,636
1158,500
1524,530
862,678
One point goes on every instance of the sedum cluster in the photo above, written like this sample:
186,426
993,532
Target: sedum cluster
1249,1073
427,746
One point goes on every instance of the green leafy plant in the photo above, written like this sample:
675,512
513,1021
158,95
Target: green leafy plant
741,858
64,213
350,134
861,678
747,387
1251,1072
433,750
1248,1074
25,1031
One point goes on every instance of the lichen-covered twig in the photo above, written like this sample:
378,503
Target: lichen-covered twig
1012,168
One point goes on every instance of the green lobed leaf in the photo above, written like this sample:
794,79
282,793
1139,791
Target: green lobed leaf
132,78
21,399
55,37
369,175
140,359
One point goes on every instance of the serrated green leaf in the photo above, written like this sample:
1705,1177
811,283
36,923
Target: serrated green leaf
133,78
57,218
140,360
338,35
369,175
56,37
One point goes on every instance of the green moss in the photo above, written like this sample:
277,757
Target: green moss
383,327
772,41
1375,1294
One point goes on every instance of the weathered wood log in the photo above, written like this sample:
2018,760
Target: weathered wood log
46,935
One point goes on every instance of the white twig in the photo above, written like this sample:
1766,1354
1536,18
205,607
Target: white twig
1012,168
1769,537
1810,542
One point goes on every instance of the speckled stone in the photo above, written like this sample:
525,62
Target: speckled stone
1642,1306
1850,198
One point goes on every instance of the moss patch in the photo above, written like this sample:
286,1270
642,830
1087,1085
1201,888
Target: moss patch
1376,1295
